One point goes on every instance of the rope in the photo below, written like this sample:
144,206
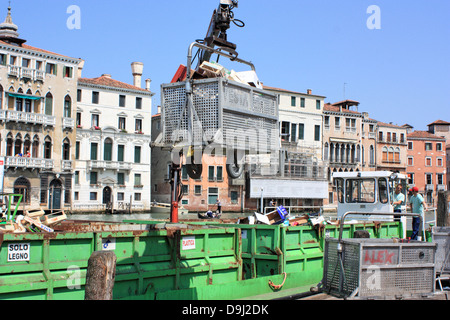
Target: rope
277,287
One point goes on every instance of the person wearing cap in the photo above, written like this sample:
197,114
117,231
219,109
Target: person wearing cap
417,205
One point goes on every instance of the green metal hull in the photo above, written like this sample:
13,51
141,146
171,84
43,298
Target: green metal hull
205,261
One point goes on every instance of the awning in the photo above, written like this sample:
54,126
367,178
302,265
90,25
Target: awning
24,96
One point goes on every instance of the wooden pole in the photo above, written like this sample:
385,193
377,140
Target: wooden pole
442,216
100,276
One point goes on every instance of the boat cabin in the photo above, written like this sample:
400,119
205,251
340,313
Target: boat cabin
371,191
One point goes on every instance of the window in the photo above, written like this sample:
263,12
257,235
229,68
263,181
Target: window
51,68
49,104
137,197
383,190
120,152
360,191
121,178
138,125
197,189
78,119
184,174
439,178
428,146
76,196
234,195
428,178
26,62
428,161
402,137
122,123
95,120
94,148
410,161
294,132
93,178
317,133
380,136
411,178
438,146
211,173
95,97
77,177
47,148
394,137
301,131
219,173
22,186
2,59
340,189
213,195
120,196
302,102
410,145
439,162
388,137
66,150
185,189
318,104
67,107
68,71
285,130
122,101
107,150
79,95
93,196
137,180
138,103
137,154
337,123
293,101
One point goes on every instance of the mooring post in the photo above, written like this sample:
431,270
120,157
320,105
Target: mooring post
100,276
442,216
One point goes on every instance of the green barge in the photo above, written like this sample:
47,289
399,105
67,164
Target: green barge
165,261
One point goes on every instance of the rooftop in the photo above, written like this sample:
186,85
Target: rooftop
105,80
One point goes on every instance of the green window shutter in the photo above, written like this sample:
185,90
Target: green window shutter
94,147
317,133
137,154
107,155
49,106
77,150
121,178
301,131
120,152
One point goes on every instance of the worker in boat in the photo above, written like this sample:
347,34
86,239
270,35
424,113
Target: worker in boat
417,204
399,200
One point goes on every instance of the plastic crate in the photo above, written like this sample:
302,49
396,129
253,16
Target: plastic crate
379,268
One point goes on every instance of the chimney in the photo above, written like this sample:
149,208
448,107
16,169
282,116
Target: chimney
136,69
106,75
159,110
309,91
80,68
147,84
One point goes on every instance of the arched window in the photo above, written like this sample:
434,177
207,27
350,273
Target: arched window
385,154
107,150
35,147
27,146
391,154
66,149
397,155
47,148
67,107
9,145
372,155
325,152
49,104
22,186
18,145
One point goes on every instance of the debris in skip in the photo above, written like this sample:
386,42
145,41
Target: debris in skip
32,221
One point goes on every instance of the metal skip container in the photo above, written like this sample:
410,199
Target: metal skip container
379,268
226,113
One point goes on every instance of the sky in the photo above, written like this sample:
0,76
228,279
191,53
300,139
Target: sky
394,60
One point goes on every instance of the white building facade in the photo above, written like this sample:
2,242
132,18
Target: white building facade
113,138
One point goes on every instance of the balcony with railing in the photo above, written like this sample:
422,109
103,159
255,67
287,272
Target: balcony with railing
30,163
27,73
68,123
66,165
27,117
108,165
